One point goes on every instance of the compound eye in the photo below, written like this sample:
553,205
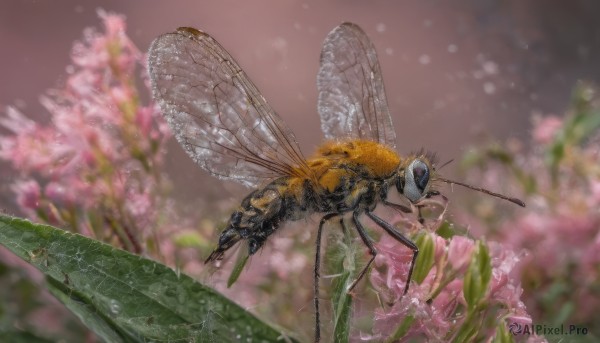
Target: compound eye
421,174
416,180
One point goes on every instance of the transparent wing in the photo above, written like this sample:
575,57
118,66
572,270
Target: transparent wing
352,99
217,114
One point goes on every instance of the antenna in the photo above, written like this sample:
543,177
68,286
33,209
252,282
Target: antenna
483,190
445,164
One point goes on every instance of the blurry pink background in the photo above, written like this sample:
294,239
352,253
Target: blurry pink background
455,72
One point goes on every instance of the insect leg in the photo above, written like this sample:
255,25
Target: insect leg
432,194
405,209
397,207
402,239
367,240
420,216
428,201
317,274
343,225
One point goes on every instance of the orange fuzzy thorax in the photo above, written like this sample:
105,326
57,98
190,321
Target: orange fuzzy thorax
379,160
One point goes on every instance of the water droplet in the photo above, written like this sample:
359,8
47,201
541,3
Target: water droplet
490,67
115,307
424,59
452,48
489,88
380,27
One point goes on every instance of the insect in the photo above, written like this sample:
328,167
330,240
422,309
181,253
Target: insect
226,126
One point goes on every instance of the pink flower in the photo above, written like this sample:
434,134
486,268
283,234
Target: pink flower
438,305
29,148
16,122
392,265
556,238
100,156
28,194
595,196
58,193
114,24
284,260
459,252
546,128
144,119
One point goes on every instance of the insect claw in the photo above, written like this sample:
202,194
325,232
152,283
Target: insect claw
214,256
351,293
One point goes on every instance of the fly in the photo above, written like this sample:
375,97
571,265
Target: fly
226,126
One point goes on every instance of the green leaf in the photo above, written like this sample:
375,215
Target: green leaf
485,265
582,122
498,153
556,152
342,261
502,335
95,321
446,230
21,337
401,330
589,124
478,276
342,303
237,269
126,298
426,257
190,240
467,331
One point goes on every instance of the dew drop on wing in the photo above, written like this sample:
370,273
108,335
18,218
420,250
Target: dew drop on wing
205,107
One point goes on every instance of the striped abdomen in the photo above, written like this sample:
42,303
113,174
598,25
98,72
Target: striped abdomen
262,212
